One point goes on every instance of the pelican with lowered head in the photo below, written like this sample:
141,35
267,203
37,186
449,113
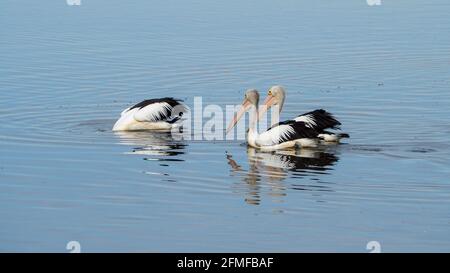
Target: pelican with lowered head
161,114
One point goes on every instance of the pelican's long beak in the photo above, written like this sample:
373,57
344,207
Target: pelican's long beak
268,102
244,107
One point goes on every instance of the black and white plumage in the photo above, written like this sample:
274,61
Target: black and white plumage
152,114
319,119
287,131
283,135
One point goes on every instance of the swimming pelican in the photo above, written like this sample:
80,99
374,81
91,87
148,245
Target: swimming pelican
318,120
283,135
155,114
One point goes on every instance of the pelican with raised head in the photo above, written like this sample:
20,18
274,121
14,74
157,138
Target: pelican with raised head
161,114
319,119
287,134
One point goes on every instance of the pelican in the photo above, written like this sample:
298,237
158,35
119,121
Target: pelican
155,114
319,120
287,134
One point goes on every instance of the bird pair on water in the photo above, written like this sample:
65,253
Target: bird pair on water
306,130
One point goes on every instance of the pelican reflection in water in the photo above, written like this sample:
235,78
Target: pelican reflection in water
152,143
267,172
158,147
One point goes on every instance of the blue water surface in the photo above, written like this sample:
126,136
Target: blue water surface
66,73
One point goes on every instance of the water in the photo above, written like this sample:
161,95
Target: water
66,72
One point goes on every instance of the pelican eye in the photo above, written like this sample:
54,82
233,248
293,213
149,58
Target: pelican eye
270,93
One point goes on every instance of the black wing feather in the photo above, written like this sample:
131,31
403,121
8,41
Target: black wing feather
171,101
301,130
323,119
165,115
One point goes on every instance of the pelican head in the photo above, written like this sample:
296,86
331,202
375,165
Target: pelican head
251,98
275,96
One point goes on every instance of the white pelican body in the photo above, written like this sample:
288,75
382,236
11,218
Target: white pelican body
287,134
319,120
283,136
155,114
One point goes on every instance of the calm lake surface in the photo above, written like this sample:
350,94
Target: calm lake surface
66,73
